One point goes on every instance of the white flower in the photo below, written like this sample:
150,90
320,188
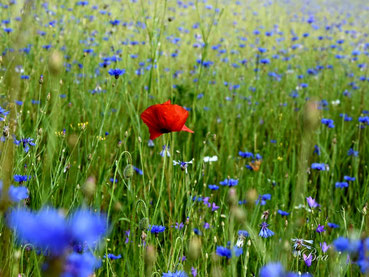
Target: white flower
210,159
336,102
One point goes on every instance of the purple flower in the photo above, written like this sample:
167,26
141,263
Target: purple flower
26,143
214,207
193,271
324,247
312,203
320,228
264,231
308,259
179,226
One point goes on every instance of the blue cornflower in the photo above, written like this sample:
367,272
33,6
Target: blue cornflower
8,30
272,270
341,185
21,178
364,120
150,143
114,22
264,231
243,233
82,3
352,152
283,213
265,61
113,257
175,274
316,150
3,114
223,252
258,156
328,122
156,229
26,143
229,182
263,198
341,244
15,194
87,226
80,265
45,229
87,51
333,225
246,154
139,171
116,72
165,151
213,187
319,166
349,179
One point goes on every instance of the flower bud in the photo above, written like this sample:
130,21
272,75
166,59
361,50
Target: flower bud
194,248
55,62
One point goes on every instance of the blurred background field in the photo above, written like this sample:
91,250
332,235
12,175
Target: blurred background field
276,90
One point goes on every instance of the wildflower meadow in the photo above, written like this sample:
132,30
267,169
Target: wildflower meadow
184,138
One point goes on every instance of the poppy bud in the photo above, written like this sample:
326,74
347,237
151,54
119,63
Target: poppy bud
55,62
311,115
194,248
90,186
128,171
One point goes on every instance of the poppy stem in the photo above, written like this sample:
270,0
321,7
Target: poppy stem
161,181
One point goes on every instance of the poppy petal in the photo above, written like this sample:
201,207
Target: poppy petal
186,129
173,117
165,118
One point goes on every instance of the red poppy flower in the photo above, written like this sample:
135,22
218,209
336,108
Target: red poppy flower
165,118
